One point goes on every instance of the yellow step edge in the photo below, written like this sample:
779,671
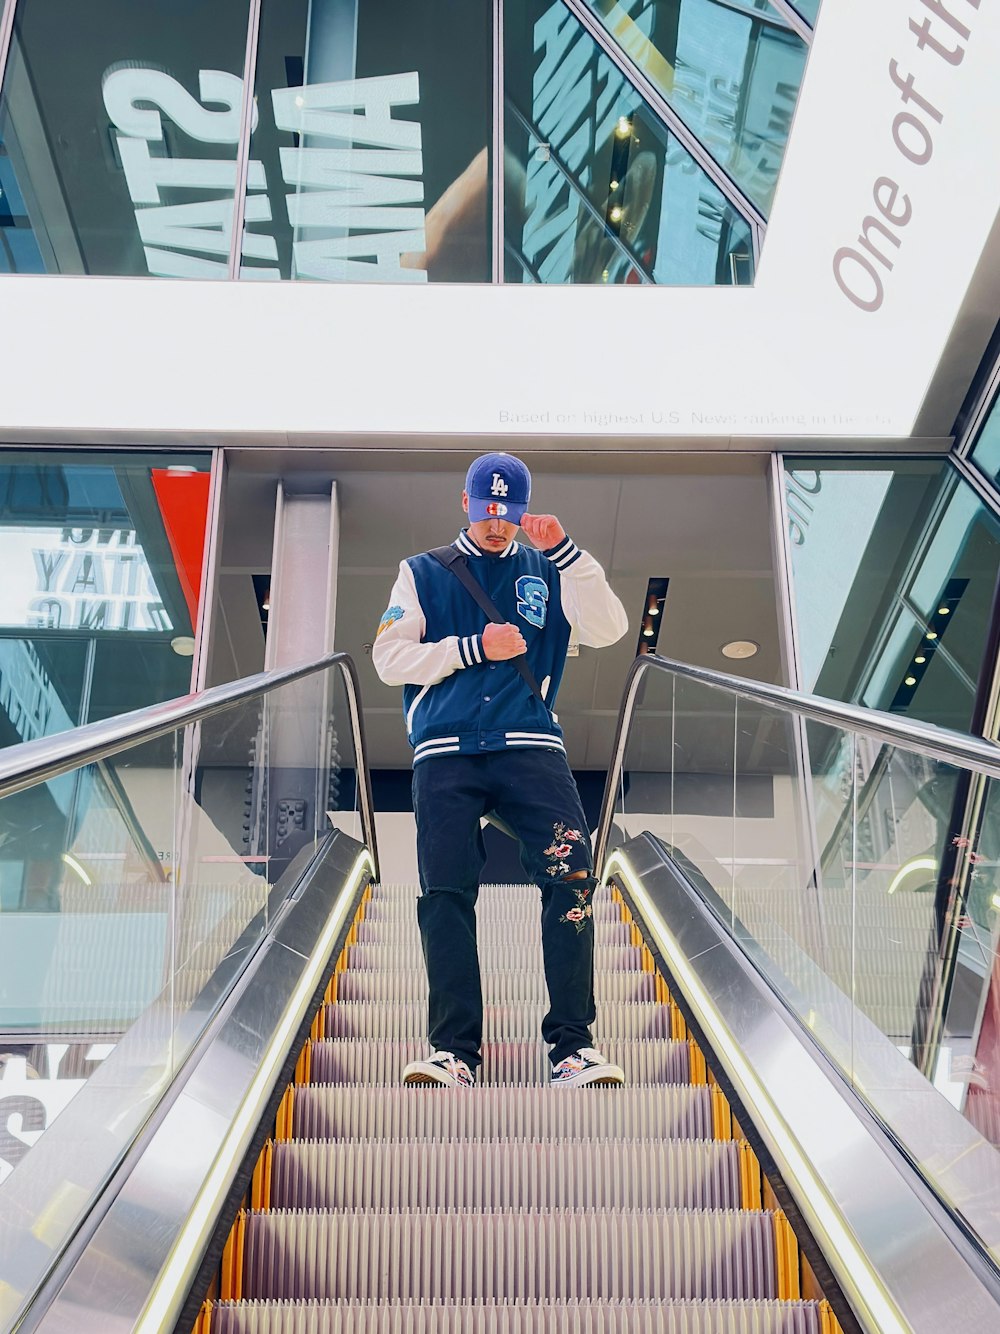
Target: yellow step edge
231,1283
303,1066
786,1249
260,1187
678,1026
648,963
284,1121
317,1029
750,1177
203,1325
697,1069
722,1116
828,1322
330,995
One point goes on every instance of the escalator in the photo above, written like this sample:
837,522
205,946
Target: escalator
252,1164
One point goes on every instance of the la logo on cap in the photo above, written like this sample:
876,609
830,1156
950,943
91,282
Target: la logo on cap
499,487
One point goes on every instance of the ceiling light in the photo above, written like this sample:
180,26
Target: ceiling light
616,214
614,185
920,658
647,630
932,634
266,603
183,646
181,467
910,681
944,611
624,127
740,648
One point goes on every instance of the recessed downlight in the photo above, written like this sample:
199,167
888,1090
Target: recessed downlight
740,648
183,646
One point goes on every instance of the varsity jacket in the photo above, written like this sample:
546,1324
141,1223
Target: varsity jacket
430,642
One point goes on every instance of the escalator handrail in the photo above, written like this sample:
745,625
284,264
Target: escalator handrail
937,743
32,762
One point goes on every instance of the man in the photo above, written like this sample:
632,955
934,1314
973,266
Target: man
485,742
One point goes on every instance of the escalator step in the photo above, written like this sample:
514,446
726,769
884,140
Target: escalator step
624,1174
540,1114
473,1256
626,1317
524,988
508,1023
491,932
356,1061
490,909
405,956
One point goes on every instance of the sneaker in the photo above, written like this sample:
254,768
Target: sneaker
441,1067
586,1066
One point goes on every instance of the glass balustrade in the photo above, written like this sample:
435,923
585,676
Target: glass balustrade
861,877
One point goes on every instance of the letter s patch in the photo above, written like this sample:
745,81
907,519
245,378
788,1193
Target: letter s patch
532,599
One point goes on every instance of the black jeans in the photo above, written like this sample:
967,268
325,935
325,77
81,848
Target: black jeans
534,793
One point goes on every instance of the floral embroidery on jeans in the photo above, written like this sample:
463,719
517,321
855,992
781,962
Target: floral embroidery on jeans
578,915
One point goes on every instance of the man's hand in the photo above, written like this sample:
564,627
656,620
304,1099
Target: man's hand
502,642
545,530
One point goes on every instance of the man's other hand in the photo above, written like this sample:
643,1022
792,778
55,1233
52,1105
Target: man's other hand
545,530
502,642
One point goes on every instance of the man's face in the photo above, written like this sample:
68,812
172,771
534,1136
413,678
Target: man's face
490,534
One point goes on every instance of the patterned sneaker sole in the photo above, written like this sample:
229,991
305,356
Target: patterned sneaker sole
420,1078
590,1080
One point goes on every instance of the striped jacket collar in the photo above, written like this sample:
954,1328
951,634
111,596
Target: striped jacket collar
466,545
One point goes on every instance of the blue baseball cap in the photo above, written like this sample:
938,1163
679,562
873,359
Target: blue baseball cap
498,487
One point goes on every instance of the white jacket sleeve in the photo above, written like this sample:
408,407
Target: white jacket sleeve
399,656
589,604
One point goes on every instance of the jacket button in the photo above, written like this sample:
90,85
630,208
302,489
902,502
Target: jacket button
486,699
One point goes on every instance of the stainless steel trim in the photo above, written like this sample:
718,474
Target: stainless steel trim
498,142
782,554
243,150
867,1210
793,19
210,570
935,742
978,481
6,32
651,94
37,761
984,401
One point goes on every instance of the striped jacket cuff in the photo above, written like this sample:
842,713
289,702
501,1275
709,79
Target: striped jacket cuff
564,554
470,650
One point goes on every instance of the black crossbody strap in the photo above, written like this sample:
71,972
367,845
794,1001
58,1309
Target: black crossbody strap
454,561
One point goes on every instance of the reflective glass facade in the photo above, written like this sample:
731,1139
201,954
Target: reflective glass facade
367,150
596,189
102,560
731,73
894,568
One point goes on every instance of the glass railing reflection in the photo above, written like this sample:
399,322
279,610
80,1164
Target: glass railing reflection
129,883
861,877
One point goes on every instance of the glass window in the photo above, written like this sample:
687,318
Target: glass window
808,9
732,74
596,189
370,161
119,124
894,565
986,451
102,559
